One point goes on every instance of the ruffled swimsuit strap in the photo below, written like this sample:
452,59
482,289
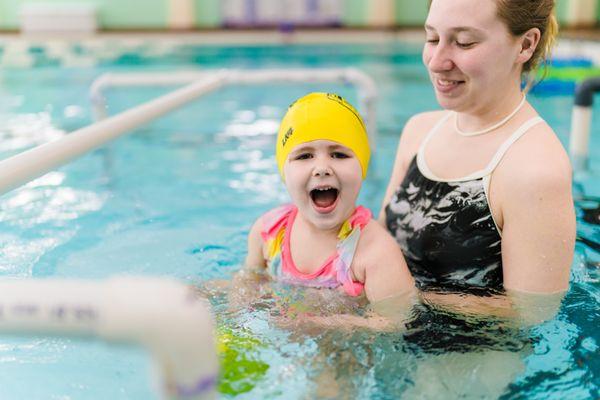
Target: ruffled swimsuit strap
336,269
273,232
349,236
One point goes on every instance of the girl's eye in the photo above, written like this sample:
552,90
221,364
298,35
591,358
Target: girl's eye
433,41
303,156
338,154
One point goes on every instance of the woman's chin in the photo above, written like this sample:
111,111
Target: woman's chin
448,103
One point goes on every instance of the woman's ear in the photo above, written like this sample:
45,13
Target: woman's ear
528,42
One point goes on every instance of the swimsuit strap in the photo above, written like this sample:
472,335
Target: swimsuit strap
349,236
275,225
431,133
524,128
272,233
424,168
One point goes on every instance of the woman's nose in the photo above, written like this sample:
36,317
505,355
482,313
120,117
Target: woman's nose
440,58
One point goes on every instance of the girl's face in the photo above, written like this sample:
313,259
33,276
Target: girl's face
471,56
323,179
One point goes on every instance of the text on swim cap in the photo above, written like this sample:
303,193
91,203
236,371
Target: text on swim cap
342,102
287,136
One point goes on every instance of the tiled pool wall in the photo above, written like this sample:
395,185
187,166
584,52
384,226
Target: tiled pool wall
166,14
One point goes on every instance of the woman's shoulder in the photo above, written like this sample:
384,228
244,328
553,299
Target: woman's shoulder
539,153
417,127
427,118
537,162
420,124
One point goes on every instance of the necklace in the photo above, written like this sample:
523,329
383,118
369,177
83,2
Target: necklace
491,128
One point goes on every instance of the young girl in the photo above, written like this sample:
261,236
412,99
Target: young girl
323,239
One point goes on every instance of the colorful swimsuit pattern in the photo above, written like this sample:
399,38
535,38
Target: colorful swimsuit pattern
334,272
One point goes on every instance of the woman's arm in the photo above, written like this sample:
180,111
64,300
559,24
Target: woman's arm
398,172
519,307
538,217
413,133
532,187
539,235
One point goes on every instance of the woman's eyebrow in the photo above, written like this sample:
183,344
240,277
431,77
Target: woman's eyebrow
457,29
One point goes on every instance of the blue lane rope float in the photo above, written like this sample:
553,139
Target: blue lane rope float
563,74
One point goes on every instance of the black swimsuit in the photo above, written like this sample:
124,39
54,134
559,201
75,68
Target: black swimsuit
445,226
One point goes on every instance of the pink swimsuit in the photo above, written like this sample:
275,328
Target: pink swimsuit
334,272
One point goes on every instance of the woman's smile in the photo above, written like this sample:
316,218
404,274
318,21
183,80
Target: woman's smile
447,86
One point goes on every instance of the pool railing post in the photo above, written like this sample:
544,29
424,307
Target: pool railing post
581,122
165,316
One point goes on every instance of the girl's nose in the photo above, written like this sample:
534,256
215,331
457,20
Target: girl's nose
440,59
322,170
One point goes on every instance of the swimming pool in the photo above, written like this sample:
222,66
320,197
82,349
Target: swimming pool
177,197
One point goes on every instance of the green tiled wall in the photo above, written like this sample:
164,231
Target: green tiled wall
132,14
411,13
208,13
355,12
112,14
9,13
153,14
562,10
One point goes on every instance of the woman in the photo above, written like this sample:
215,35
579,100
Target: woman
480,194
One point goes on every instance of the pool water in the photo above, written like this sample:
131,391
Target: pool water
176,198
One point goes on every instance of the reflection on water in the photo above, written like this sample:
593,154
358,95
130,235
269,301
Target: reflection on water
308,342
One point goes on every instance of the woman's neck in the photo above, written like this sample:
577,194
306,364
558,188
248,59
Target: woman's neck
490,113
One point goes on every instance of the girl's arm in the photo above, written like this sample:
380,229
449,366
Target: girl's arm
379,263
247,284
255,257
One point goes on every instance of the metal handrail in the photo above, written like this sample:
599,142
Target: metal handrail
30,164
367,89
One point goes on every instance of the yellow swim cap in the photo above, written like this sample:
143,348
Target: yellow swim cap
323,116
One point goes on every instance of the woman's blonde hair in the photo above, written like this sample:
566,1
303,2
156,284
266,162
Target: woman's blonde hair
522,15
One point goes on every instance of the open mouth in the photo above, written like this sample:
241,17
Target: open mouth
445,85
324,199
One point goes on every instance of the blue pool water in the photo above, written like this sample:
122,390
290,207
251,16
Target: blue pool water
176,198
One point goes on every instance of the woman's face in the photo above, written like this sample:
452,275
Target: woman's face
470,55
